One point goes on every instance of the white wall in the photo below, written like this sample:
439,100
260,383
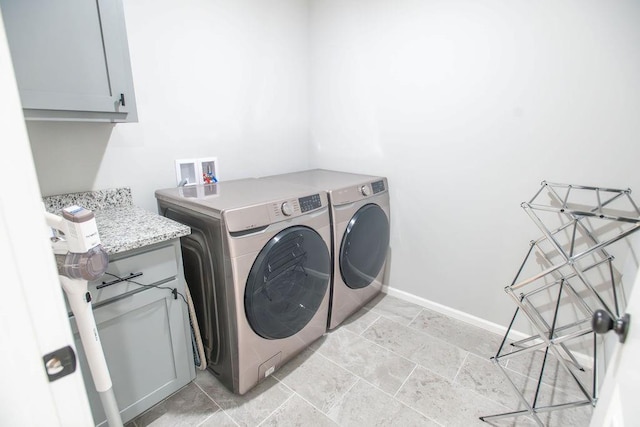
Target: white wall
466,106
212,78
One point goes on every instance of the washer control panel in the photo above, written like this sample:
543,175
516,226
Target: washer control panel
294,207
285,209
310,203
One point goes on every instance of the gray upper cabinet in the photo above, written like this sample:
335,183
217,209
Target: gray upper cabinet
71,59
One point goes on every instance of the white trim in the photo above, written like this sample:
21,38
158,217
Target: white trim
33,318
470,319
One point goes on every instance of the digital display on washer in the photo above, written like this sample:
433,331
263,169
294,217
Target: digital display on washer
310,203
377,186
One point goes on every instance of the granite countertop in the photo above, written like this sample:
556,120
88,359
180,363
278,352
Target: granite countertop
122,226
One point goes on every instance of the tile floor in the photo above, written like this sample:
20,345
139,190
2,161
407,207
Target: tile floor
391,364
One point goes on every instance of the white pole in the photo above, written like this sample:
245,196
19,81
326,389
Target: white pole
80,302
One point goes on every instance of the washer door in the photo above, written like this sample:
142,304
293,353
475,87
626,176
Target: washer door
287,283
364,246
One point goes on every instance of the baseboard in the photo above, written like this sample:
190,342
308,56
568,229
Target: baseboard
470,319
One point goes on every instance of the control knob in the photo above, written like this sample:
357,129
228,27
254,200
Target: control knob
286,209
365,190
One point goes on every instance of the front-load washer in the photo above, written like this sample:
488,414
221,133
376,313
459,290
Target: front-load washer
258,267
360,215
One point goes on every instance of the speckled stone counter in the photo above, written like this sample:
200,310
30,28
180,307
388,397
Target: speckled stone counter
122,226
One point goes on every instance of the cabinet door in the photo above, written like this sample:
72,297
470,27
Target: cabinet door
147,344
71,59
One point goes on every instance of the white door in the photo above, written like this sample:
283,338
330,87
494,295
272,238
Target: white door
618,405
33,319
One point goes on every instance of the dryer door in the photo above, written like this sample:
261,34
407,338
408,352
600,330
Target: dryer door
287,283
364,246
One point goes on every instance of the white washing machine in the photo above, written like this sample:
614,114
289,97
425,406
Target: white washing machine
258,267
360,215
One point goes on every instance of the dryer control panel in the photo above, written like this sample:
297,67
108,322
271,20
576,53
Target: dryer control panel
355,193
377,186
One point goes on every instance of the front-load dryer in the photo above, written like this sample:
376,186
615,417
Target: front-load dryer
360,215
258,267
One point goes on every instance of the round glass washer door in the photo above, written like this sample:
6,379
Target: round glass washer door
364,246
287,283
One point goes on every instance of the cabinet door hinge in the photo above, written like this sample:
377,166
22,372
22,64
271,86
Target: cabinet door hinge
122,99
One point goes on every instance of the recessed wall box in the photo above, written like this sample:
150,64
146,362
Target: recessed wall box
209,169
186,172
197,171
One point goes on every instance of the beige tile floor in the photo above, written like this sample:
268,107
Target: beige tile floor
391,364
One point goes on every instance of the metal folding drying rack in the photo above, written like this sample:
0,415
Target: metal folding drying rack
586,221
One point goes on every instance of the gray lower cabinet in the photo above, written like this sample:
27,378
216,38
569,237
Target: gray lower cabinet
71,59
144,330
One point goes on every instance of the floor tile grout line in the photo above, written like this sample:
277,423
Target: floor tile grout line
205,420
279,406
476,392
362,378
414,318
387,314
306,400
355,375
421,332
430,370
381,347
390,395
297,394
406,358
453,381
505,407
465,325
359,378
344,395
395,395
406,404
468,354
483,396
214,401
369,325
